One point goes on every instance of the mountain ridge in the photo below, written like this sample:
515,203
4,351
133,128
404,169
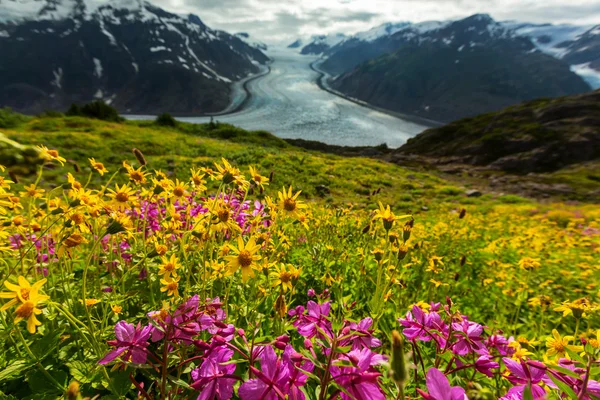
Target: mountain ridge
131,54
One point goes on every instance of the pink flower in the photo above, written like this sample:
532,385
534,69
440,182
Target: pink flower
485,364
439,388
524,374
364,336
272,380
131,343
418,325
361,380
296,365
315,322
213,379
469,339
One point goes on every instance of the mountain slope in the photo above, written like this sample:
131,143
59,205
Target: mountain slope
320,44
539,136
130,53
466,68
364,46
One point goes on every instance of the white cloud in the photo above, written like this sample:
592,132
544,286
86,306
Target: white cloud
284,20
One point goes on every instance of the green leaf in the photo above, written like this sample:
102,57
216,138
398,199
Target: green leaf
46,345
563,387
180,382
566,371
121,383
14,370
82,372
39,383
575,356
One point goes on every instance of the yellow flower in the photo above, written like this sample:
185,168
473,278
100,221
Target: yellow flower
122,195
135,175
74,183
289,203
179,189
117,309
595,343
229,174
98,166
387,216
520,352
90,302
31,191
259,180
50,155
244,257
170,285
281,276
528,264
28,311
438,283
558,345
197,180
22,292
578,308
222,217
169,267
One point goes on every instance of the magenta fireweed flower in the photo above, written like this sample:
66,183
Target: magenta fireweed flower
296,364
308,325
361,380
500,343
592,388
469,339
214,379
364,336
522,375
419,325
485,364
272,381
131,343
439,388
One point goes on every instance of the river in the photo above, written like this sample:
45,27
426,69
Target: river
289,103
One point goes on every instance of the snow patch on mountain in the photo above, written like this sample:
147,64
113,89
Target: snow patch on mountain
551,39
590,75
97,68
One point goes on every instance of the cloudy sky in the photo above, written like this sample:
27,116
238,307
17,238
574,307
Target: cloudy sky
285,20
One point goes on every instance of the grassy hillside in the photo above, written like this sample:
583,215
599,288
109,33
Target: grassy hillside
180,283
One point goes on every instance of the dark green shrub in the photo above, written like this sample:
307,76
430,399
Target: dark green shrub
10,119
165,119
96,109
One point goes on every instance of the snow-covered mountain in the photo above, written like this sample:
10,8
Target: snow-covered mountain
321,43
129,53
448,70
578,46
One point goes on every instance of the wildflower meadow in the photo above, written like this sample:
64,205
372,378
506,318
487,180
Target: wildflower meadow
122,281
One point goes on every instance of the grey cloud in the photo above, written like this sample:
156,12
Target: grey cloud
285,20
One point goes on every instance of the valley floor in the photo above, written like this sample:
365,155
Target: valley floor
289,103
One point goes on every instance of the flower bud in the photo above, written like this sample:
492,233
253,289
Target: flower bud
280,306
406,231
402,251
308,344
398,361
72,391
140,157
283,338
